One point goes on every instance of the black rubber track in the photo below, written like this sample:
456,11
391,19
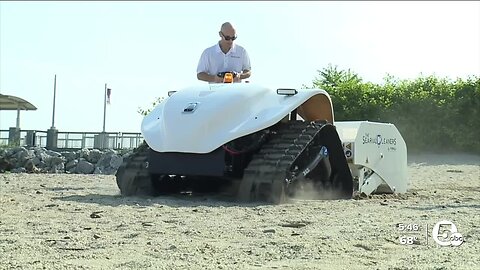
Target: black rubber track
290,148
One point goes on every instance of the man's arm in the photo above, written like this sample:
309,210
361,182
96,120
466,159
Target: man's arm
245,74
203,76
202,69
247,68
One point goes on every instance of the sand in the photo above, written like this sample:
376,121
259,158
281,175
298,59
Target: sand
60,221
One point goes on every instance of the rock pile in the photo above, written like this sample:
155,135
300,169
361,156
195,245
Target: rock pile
41,160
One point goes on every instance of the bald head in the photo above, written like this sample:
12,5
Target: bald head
227,30
227,35
226,26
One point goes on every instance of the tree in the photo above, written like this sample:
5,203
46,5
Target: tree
331,77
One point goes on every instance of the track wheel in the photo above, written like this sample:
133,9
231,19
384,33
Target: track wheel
133,178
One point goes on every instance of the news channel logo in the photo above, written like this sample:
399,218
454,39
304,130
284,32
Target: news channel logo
445,234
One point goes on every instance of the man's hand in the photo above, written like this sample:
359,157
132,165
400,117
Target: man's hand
237,78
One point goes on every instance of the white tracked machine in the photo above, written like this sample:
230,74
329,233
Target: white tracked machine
262,144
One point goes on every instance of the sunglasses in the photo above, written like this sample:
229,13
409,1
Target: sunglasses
229,37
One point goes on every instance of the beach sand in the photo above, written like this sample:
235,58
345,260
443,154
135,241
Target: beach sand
66,221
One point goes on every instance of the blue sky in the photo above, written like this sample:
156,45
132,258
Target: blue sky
144,49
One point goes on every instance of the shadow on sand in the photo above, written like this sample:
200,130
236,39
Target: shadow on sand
180,200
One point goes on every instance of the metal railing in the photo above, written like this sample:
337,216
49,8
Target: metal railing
73,140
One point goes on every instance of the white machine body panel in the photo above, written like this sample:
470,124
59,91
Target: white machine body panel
377,154
202,118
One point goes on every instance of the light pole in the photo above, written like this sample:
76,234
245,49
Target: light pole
54,95
52,132
104,107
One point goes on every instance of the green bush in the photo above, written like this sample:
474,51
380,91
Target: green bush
434,114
